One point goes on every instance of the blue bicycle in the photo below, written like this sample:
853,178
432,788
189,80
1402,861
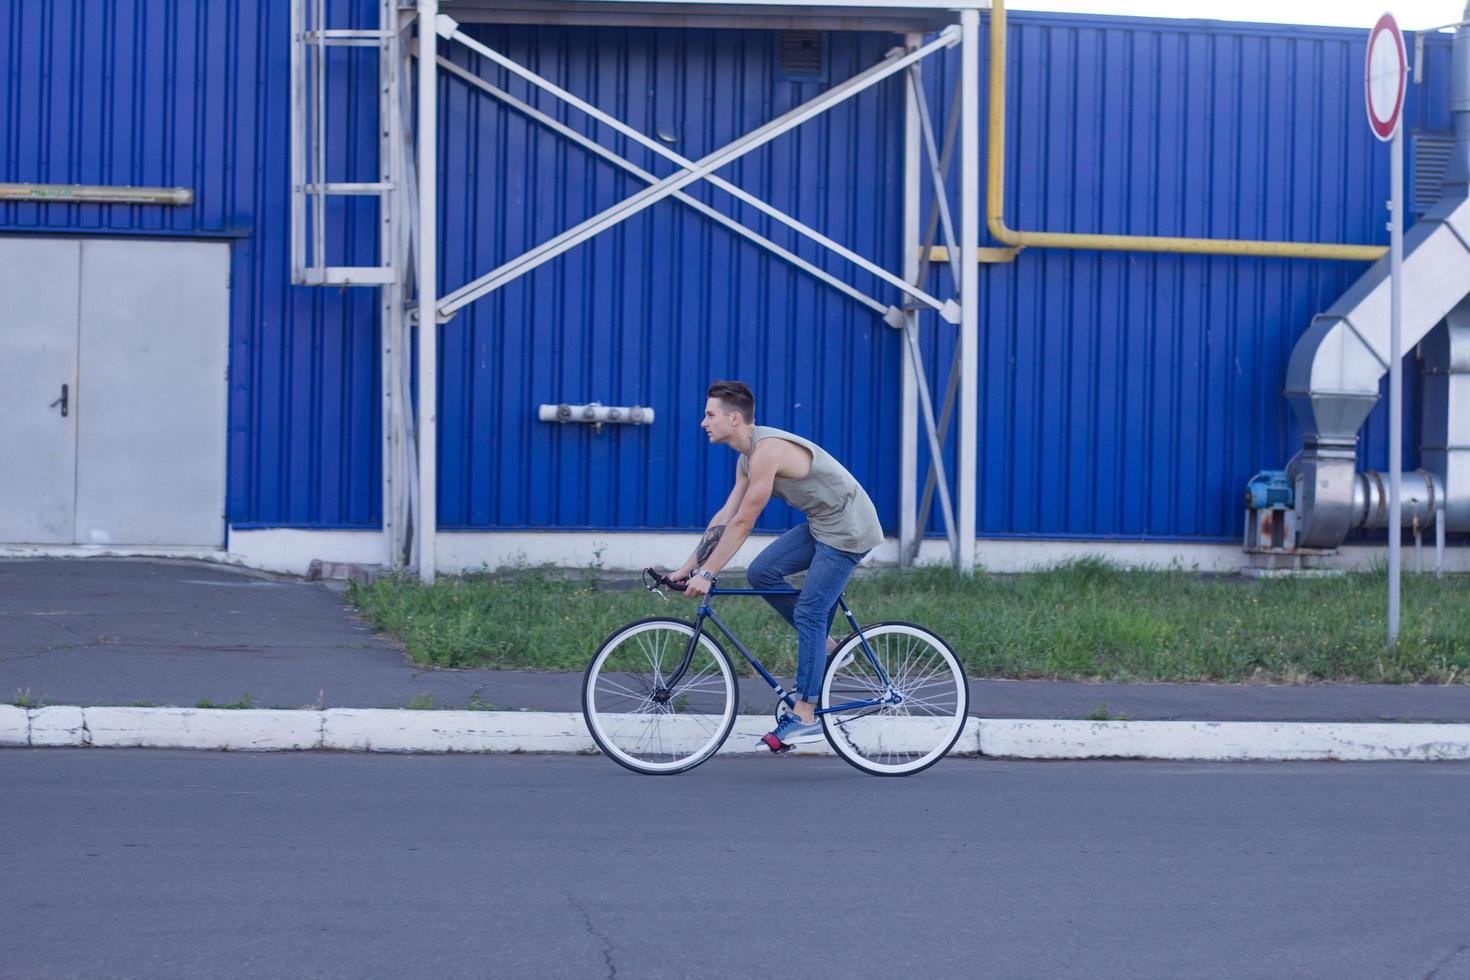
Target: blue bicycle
660,696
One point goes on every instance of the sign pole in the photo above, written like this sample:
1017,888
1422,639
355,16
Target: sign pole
1385,77
1395,385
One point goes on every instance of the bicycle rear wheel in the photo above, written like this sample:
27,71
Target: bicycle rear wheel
909,736
642,723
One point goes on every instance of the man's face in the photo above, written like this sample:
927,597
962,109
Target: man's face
718,423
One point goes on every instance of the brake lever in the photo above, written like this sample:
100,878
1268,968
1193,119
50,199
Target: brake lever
654,588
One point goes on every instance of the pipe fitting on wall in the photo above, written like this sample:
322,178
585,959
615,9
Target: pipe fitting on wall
596,414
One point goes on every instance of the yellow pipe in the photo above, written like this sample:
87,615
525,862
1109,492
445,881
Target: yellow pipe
995,197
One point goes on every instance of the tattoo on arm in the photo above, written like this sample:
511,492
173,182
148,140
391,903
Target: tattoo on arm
708,542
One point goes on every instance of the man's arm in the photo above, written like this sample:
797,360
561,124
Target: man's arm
748,510
718,524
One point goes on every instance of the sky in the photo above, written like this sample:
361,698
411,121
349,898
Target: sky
1410,14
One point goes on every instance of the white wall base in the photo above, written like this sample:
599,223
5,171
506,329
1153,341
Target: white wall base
111,551
291,550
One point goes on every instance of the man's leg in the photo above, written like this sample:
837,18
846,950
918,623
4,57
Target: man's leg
830,570
790,553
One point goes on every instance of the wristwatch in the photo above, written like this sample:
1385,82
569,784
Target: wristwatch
703,573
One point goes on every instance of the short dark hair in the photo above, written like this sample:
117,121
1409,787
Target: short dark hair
736,396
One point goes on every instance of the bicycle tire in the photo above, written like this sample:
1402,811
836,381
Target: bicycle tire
931,718
684,732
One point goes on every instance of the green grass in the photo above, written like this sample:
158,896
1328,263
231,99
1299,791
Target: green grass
244,704
1083,621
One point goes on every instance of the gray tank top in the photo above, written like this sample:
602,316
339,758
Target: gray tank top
838,510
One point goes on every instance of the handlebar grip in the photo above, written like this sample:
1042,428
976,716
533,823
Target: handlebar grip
664,581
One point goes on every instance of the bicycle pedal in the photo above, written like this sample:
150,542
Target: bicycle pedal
770,741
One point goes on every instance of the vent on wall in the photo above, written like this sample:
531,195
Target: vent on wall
1431,159
801,56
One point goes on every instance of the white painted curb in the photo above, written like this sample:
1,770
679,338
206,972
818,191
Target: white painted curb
15,725
1231,741
203,728
59,726
399,730
393,730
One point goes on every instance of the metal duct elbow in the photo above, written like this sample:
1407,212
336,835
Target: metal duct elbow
1333,376
1444,431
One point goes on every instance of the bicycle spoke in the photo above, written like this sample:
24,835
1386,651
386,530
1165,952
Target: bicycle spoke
625,691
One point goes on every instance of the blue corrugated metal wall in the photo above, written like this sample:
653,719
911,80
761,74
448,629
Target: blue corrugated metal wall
1132,395
1122,395
650,312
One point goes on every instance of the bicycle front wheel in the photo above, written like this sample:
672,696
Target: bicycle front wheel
641,721
908,736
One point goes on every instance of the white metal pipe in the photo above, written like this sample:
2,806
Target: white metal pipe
1439,542
298,149
96,194
693,171
319,141
390,297
428,277
407,461
969,433
908,451
592,146
1395,383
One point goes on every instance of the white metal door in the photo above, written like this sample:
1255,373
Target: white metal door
38,356
151,411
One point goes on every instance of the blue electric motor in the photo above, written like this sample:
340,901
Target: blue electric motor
1269,490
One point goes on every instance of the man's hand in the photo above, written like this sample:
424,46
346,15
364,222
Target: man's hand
698,586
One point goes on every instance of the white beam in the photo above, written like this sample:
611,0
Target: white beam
592,146
908,453
694,170
969,433
428,277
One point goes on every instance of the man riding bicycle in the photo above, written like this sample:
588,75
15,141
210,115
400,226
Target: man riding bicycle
841,528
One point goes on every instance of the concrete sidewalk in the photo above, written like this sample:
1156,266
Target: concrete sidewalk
91,633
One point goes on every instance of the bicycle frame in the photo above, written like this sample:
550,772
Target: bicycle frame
706,612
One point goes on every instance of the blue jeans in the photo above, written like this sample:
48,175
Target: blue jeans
810,612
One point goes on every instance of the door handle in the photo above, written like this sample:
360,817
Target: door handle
62,401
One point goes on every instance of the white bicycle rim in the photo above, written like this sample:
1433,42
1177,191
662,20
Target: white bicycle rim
895,740
684,738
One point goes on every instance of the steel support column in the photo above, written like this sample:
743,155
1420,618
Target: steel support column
969,283
908,453
426,521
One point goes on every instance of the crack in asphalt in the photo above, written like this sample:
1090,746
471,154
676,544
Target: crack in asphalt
1446,961
612,970
100,641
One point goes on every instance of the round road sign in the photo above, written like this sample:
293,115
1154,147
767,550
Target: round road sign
1386,75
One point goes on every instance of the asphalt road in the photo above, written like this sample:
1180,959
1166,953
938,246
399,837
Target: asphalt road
171,864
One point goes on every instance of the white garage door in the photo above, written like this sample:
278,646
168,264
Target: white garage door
112,392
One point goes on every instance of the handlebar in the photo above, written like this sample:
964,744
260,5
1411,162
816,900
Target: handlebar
655,583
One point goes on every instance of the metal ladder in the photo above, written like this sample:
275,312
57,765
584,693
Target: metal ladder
310,187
